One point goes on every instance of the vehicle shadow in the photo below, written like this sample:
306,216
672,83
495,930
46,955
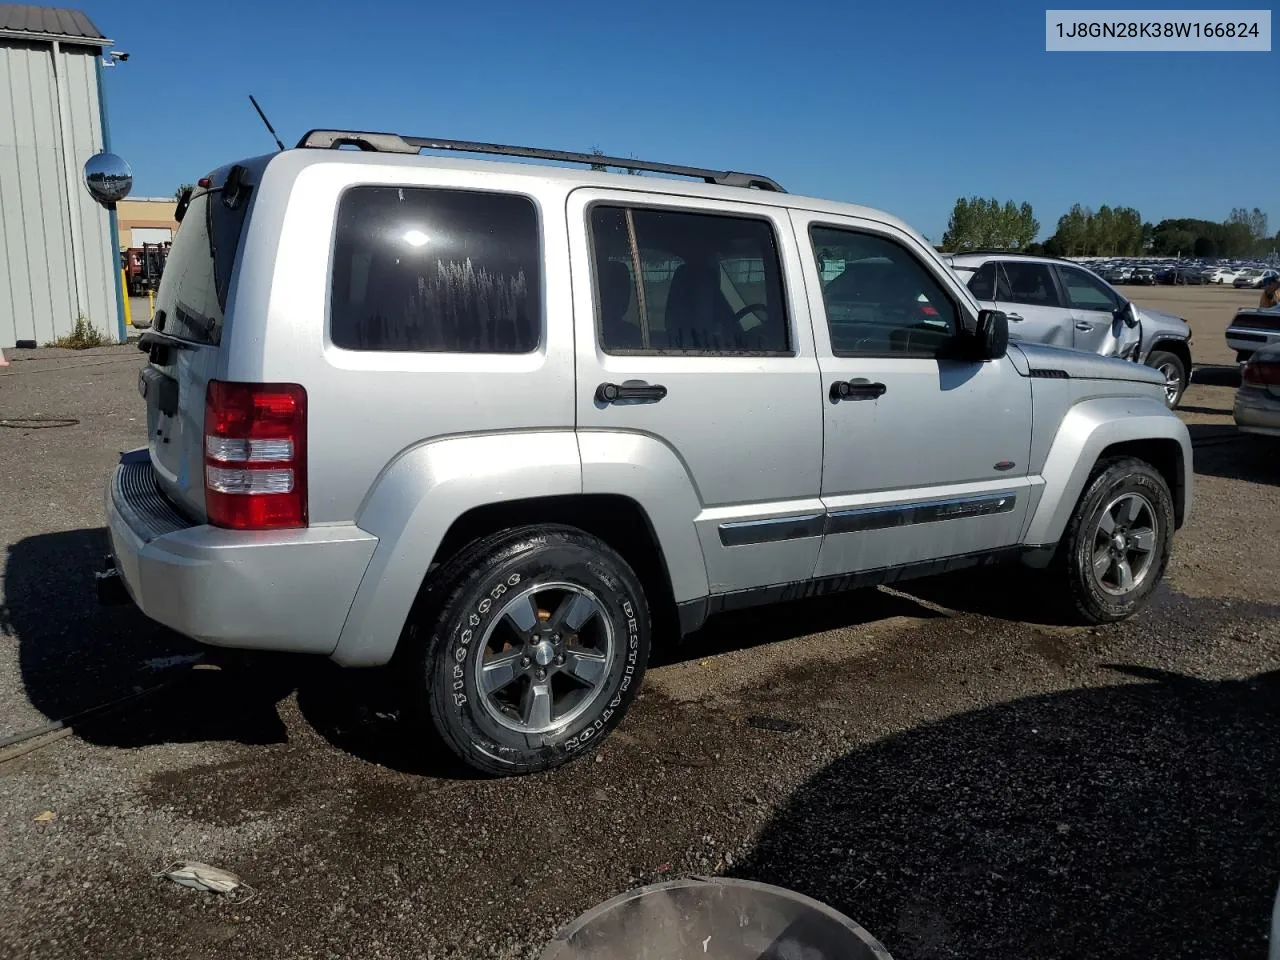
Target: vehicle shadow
75,656
756,626
1221,450
1137,820
1216,374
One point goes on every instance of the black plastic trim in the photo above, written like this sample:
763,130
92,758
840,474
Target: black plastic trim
742,532
908,514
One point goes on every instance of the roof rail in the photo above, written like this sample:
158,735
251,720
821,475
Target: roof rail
394,143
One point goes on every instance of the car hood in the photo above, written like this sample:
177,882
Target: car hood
1157,319
1079,365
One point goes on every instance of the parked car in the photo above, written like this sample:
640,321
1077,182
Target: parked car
1142,276
1220,275
1192,276
1253,329
1062,303
1253,278
1257,406
516,424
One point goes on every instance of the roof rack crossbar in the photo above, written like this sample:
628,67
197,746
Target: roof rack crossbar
394,143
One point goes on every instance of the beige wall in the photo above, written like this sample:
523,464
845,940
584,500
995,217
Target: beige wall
144,212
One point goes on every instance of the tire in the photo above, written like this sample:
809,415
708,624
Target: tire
539,605
1113,484
1175,371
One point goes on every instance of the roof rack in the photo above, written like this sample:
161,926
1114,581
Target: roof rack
394,143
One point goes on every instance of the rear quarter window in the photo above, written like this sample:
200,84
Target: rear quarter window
436,271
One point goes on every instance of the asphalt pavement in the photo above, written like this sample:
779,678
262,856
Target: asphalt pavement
944,764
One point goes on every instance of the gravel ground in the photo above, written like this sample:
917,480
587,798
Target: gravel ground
959,776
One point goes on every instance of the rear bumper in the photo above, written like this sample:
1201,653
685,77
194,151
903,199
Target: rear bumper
1257,412
1251,341
265,590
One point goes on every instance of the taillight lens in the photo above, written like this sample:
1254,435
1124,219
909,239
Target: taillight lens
255,455
1261,373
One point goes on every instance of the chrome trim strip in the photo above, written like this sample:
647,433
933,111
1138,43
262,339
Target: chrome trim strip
739,533
928,511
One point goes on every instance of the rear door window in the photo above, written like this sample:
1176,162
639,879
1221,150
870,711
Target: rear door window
681,282
436,271
1023,281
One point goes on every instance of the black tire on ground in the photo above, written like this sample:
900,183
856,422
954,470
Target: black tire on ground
470,612
1172,363
1072,570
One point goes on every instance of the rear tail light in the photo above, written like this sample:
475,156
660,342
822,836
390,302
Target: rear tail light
255,455
1261,373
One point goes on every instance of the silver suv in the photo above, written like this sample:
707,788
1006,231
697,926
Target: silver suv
507,426
1063,303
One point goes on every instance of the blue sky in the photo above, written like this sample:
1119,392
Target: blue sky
899,106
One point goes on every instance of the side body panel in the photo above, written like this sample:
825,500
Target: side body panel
1082,421
934,467
746,430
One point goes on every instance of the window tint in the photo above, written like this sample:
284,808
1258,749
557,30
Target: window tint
1023,281
880,300
983,283
1087,292
436,271
676,282
189,290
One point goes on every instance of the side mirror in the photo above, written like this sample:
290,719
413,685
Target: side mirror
1128,313
991,337
107,178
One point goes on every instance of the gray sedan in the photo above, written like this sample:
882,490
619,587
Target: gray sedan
1257,408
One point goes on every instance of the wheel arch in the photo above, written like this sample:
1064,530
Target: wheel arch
1179,348
1099,429
618,520
631,491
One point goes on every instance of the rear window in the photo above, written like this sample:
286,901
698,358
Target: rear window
197,271
436,271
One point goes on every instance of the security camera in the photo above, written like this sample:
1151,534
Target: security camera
119,55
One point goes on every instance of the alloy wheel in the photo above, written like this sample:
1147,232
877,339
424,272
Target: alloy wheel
545,655
1124,544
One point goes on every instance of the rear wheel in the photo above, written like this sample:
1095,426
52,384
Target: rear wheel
528,648
1118,541
1175,375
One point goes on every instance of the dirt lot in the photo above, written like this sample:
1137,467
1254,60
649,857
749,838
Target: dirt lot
960,777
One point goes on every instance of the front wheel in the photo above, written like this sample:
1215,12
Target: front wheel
1175,375
1118,541
528,648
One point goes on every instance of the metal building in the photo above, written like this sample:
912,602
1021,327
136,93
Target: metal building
58,255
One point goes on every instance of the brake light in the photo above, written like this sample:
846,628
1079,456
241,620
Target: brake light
1261,373
255,455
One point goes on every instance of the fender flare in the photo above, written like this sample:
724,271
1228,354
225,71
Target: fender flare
1089,428
419,495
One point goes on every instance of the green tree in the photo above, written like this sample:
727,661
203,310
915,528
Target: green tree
979,223
1205,247
177,194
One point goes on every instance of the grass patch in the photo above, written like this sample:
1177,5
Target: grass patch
83,336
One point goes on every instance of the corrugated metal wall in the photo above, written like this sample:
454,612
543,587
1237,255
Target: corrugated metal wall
45,284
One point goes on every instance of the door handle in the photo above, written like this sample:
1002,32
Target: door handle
860,389
1084,326
632,391
1015,317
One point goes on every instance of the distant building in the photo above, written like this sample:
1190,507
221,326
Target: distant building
58,257
146,220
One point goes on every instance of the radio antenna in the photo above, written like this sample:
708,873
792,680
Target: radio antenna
270,128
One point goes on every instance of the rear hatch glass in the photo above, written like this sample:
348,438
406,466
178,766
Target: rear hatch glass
190,307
